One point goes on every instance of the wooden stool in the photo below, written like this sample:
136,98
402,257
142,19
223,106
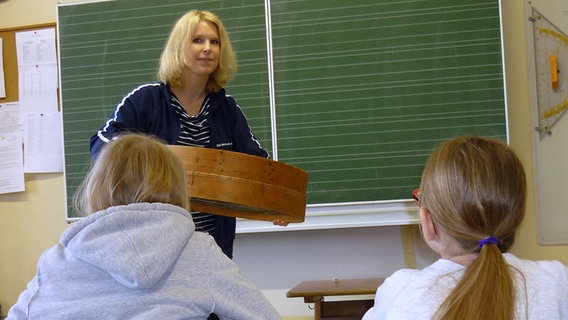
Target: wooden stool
316,291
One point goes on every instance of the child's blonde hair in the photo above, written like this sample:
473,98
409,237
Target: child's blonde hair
475,188
133,168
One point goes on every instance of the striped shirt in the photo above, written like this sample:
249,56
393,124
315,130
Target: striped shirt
196,131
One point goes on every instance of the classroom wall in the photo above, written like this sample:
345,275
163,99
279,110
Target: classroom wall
32,221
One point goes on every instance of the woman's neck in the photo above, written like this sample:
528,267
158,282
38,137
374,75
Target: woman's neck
191,95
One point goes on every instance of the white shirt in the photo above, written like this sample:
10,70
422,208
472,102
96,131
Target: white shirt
417,294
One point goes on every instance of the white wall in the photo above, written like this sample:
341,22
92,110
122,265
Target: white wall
278,261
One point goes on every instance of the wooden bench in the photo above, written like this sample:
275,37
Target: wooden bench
316,291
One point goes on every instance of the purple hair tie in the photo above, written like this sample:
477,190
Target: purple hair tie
487,240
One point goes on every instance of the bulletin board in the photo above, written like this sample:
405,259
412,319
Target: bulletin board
10,58
548,51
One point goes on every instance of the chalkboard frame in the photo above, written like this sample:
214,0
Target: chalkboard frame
285,138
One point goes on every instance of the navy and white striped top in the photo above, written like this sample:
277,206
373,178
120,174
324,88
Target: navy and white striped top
196,132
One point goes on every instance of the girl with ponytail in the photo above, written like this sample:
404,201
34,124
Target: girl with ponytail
472,200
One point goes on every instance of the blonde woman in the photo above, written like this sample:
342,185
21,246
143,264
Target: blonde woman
189,106
472,200
136,254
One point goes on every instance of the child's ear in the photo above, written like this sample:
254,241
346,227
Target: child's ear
428,226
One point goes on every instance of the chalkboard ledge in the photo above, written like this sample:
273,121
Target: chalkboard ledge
343,215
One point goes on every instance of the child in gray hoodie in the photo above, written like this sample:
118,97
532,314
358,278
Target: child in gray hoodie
136,254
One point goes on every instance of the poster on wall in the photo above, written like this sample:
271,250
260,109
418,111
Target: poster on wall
547,32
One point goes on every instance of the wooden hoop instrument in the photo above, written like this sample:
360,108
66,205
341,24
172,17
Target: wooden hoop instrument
235,184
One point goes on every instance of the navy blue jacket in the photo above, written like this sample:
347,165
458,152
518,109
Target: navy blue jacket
147,109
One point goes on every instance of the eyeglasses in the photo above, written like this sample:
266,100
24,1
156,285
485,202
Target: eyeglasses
416,196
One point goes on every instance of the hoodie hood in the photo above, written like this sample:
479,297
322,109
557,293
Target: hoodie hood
137,244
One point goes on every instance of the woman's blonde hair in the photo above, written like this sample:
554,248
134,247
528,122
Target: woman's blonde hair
475,188
172,61
133,168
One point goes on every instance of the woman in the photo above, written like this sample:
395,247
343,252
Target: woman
189,106
472,200
136,254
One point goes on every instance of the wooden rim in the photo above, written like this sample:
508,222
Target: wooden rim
240,185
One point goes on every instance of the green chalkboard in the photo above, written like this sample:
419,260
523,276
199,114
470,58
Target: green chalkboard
357,92
108,48
366,88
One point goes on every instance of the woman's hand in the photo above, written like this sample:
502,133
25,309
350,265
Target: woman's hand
278,222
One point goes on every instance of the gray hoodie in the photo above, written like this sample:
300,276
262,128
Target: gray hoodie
139,261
